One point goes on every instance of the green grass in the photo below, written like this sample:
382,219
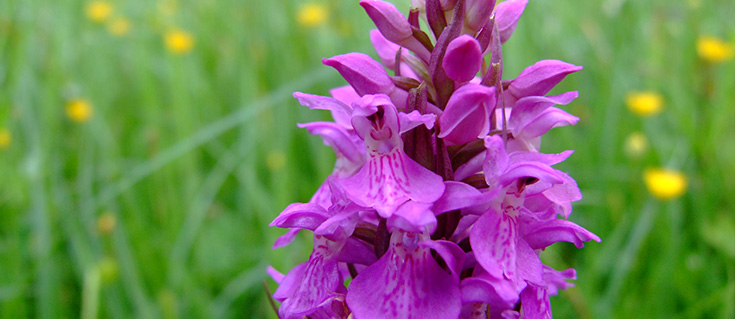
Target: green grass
178,151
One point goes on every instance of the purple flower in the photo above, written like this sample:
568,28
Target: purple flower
467,116
389,178
507,14
387,52
477,13
463,59
538,79
406,282
440,201
394,26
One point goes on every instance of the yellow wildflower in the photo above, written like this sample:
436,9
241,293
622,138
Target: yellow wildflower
106,223
312,14
664,183
5,138
79,110
644,103
275,160
714,50
119,26
636,144
99,11
179,41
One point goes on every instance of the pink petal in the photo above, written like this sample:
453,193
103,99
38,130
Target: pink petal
405,283
320,271
299,215
387,181
318,102
548,119
538,79
394,26
462,59
288,284
339,139
275,274
541,234
457,195
363,73
413,217
467,115
535,303
286,239
414,119
507,14
477,13
450,252
493,240
527,109
498,293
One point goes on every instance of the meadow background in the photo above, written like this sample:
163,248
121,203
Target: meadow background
146,145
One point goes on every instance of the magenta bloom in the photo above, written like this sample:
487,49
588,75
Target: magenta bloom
440,202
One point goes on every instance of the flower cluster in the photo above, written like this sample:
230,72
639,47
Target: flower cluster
440,201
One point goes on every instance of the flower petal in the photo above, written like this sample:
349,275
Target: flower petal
550,118
289,283
363,73
321,280
347,95
357,252
387,181
275,274
463,58
493,240
286,239
481,287
542,233
394,26
477,13
405,283
535,303
496,159
298,215
318,102
341,141
556,280
467,115
507,14
529,109
538,79
413,217
450,252
457,195
387,53
414,119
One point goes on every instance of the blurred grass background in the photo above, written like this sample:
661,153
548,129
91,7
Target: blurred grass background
146,145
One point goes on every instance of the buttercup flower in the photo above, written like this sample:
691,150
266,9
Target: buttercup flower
98,11
714,50
665,184
79,110
179,41
312,14
5,138
644,103
440,202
